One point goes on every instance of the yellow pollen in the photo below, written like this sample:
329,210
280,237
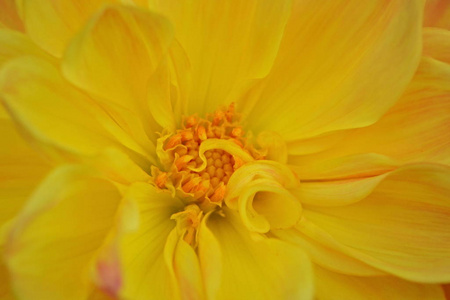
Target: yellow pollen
202,174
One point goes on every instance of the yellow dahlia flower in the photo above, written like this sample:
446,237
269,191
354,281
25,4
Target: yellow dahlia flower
174,149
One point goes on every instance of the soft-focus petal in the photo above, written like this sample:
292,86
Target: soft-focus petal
49,108
58,233
437,14
402,227
416,129
146,227
436,43
21,169
51,24
227,42
332,286
258,268
114,56
9,15
14,44
5,284
337,71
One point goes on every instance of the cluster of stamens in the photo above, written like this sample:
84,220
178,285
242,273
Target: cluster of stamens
186,172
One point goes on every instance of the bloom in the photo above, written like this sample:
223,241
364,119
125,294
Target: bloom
225,150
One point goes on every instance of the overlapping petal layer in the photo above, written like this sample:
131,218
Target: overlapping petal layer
337,72
400,228
331,286
51,24
57,234
256,267
414,130
234,42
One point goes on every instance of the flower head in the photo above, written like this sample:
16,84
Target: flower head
224,149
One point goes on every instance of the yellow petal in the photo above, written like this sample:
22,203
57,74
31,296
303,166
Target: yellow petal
139,38
51,24
184,265
437,14
336,192
436,43
227,42
356,166
58,233
402,227
118,166
49,108
210,259
331,286
259,268
9,15
330,75
414,130
167,89
145,274
326,255
14,44
21,169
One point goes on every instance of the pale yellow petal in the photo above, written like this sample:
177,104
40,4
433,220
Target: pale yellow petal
402,227
184,264
51,24
168,88
145,274
227,42
331,286
140,39
257,267
327,255
49,108
437,13
336,192
58,233
14,44
333,69
416,129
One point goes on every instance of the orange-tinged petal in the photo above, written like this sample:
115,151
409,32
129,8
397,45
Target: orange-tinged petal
139,38
402,227
331,286
6,292
446,288
437,14
58,233
258,267
416,129
227,42
331,72
51,24
436,44
9,15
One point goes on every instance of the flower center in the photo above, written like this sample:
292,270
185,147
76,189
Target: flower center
199,158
